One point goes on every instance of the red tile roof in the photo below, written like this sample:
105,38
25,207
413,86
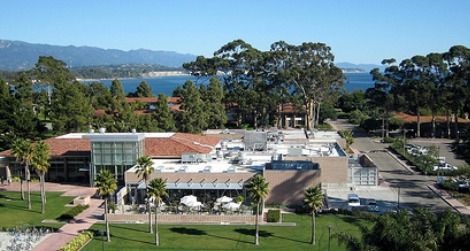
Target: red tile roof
63,147
173,100
173,146
178,144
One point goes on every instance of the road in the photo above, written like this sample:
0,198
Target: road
413,187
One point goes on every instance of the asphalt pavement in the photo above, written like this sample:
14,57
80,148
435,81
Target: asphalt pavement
412,188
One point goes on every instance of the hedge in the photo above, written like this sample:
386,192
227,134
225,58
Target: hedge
274,215
71,213
78,242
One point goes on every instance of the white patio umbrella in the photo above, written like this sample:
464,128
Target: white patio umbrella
188,199
231,206
194,204
224,199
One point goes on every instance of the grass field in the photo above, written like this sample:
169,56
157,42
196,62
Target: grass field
191,237
14,211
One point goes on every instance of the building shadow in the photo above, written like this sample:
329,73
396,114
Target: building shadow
246,231
188,231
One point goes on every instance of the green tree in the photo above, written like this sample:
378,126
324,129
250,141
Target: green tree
457,83
144,169
420,231
258,190
7,113
99,95
213,100
193,118
143,90
157,189
40,163
50,72
314,201
106,184
162,114
71,110
23,152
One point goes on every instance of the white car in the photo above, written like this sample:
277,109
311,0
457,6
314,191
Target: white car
354,200
444,166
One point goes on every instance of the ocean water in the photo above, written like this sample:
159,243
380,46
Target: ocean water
166,85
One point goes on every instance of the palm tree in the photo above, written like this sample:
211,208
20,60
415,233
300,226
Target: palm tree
106,184
157,189
145,169
258,190
314,200
23,151
40,163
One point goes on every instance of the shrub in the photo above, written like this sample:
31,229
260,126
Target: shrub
239,199
370,124
323,127
112,207
78,242
357,117
449,185
348,136
274,215
71,213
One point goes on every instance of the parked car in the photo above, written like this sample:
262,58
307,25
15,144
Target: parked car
354,200
372,205
464,186
445,166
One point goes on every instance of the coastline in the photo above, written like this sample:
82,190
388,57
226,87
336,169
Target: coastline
148,75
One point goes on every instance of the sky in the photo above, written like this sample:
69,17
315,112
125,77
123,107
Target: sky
360,31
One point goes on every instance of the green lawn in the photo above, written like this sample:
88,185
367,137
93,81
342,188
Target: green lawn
14,211
190,237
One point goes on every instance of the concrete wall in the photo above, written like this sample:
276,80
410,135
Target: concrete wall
186,218
287,186
333,169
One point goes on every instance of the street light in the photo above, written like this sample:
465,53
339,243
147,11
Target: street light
329,237
398,202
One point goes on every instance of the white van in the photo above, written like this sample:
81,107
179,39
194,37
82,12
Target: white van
354,200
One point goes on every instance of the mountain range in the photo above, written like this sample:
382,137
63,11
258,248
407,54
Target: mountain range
19,55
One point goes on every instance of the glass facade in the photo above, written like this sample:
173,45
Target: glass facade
117,157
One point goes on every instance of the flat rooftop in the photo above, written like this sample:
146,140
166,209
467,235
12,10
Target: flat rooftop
214,166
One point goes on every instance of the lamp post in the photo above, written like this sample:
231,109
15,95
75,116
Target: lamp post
329,237
398,201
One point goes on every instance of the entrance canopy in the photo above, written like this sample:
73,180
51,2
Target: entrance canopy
199,186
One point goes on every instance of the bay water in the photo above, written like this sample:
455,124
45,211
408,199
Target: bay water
166,84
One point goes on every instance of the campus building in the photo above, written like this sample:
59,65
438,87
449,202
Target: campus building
216,164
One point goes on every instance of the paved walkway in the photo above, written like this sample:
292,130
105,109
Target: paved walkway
454,203
68,190
66,233
82,221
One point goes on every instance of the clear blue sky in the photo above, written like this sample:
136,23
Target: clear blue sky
358,31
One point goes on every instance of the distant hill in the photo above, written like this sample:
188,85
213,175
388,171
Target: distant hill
350,67
18,55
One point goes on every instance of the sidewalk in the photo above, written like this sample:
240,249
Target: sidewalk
454,203
66,233
68,190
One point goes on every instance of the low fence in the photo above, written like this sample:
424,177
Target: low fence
211,219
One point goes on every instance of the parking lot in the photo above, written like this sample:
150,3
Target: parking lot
386,197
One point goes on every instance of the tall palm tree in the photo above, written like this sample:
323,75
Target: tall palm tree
144,170
40,163
258,190
23,151
106,184
157,189
314,200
